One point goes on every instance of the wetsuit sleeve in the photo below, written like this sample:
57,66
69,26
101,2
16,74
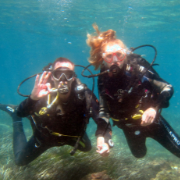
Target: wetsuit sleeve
103,127
103,110
26,107
163,89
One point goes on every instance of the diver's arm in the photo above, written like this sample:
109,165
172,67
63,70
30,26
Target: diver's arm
162,92
165,92
26,107
102,121
103,110
103,114
161,87
149,76
40,90
104,131
103,126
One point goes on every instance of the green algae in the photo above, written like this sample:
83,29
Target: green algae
57,164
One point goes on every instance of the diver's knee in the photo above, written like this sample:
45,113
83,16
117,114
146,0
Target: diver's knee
88,148
177,154
20,162
85,148
139,154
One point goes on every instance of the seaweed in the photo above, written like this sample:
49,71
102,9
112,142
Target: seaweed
57,164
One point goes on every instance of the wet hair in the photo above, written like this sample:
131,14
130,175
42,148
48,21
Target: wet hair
98,42
62,59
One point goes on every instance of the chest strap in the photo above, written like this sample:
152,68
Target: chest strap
134,117
58,134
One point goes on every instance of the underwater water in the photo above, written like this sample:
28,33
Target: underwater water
35,33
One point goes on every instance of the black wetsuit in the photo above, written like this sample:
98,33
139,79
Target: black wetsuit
137,88
52,128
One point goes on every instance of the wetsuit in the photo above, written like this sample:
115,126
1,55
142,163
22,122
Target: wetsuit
137,87
52,128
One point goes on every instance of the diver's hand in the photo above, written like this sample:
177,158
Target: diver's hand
41,87
103,148
148,117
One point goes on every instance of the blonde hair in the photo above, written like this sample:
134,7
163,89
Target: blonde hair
98,42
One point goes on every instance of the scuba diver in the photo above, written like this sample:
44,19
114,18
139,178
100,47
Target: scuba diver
131,93
59,109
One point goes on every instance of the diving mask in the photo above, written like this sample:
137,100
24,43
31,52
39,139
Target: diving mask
117,56
63,74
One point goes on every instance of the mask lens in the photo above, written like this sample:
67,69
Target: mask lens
57,74
108,57
61,74
121,55
69,74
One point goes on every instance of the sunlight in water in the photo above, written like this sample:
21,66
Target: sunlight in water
33,33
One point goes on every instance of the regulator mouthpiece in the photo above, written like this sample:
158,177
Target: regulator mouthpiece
63,89
114,69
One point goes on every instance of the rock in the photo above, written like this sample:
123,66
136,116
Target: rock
97,176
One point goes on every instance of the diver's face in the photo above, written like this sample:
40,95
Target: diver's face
113,54
64,77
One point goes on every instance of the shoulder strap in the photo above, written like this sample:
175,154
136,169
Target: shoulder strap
137,60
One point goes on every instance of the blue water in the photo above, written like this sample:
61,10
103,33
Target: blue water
35,33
